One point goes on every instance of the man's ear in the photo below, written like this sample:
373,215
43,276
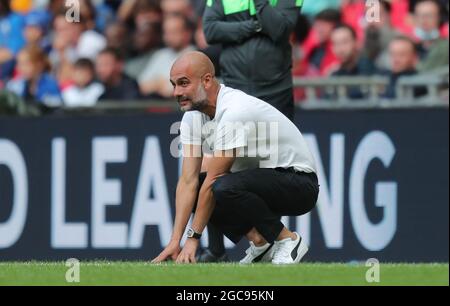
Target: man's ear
207,80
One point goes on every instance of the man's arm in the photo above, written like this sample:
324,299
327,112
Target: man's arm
187,190
219,31
218,165
186,194
278,22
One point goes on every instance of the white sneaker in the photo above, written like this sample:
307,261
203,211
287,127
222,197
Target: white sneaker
258,254
288,251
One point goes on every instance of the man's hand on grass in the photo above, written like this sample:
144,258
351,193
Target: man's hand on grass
171,251
187,255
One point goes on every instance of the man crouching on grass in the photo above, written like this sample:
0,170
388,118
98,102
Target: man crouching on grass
246,190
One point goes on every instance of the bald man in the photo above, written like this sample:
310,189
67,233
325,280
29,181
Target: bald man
260,170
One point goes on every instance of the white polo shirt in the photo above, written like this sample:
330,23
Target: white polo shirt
262,136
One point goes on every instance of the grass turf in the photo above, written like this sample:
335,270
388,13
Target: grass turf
141,273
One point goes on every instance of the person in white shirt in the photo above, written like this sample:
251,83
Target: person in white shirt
261,168
177,35
85,92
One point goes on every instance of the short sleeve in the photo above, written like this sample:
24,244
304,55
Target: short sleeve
191,128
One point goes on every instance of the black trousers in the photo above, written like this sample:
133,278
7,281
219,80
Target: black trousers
258,198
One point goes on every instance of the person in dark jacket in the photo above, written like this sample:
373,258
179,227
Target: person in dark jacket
352,62
256,58
404,58
110,71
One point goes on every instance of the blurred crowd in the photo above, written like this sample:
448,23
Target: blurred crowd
123,50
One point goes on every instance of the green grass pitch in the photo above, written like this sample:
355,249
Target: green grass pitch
142,273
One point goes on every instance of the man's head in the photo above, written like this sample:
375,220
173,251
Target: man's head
193,79
147,37
325,22
109,65
117,36
345,45
403,54
177,32
427,18
84,72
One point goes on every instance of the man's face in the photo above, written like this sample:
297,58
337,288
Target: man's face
426,16
344,45
402,56
107,67
176,36
188,90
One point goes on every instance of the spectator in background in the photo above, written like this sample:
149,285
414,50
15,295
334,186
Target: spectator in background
146,40
319,57
79,40
257,55
404,58
71,41
85,91
345,47
352,62
60,56
85,42
11,39
427,18
177,35
110,71
444,17
36,27
34,82
378,35
117,36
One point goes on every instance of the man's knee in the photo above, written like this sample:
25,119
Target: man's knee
223,188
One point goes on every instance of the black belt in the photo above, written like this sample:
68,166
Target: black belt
295,171
290,170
